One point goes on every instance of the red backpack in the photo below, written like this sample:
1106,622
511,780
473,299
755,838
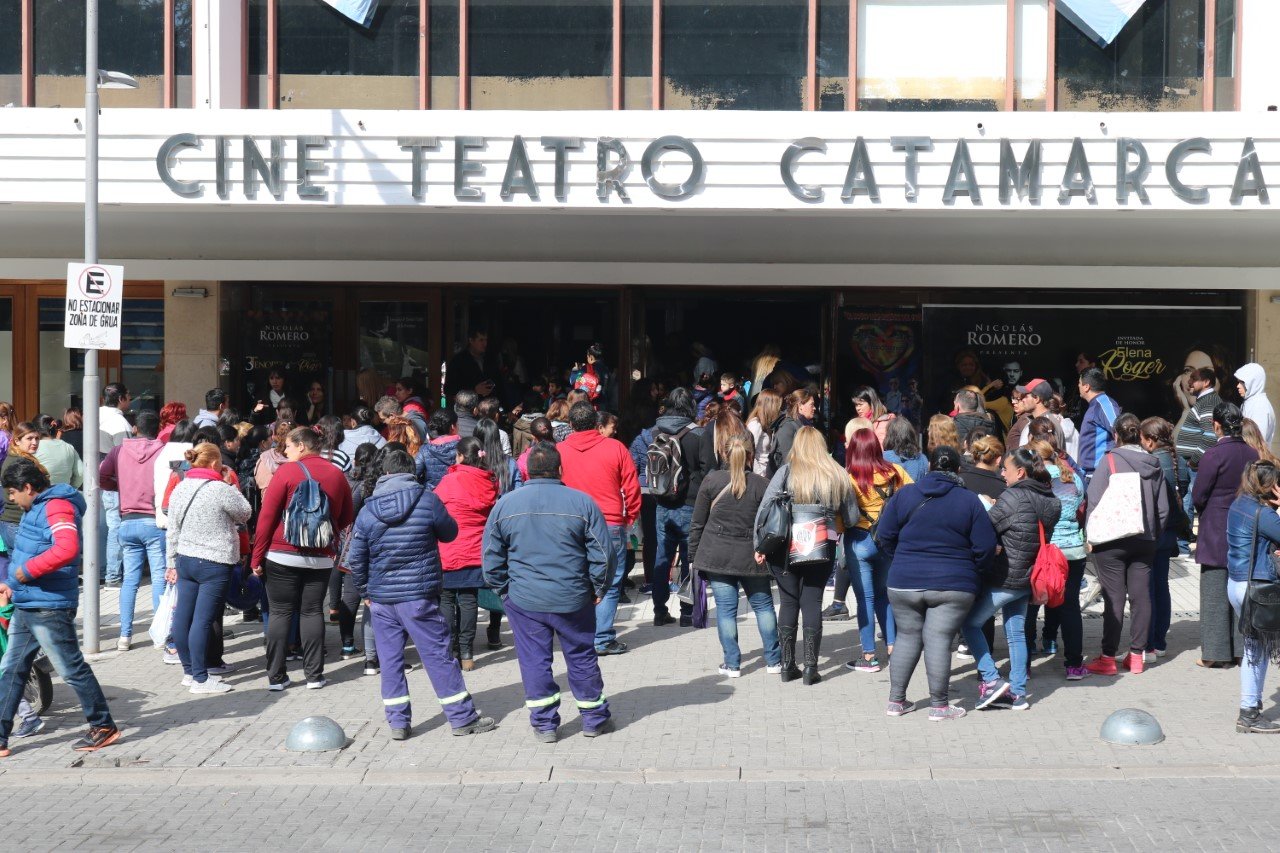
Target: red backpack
1049,574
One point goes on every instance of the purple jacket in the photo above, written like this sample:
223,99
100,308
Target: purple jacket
1217,481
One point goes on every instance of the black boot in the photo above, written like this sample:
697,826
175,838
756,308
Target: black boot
812,643
1252,722
787,640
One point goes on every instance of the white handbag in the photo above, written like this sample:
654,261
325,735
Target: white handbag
1119,512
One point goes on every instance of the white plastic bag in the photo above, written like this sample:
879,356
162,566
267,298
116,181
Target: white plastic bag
1118,514
162,621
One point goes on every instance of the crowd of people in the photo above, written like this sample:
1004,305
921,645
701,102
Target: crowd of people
406,520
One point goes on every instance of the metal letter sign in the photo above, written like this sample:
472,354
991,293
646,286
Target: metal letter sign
95,295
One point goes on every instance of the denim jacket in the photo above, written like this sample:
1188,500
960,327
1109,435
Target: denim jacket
1240,535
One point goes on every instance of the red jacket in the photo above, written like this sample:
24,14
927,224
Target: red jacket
269,535
469,494
603,468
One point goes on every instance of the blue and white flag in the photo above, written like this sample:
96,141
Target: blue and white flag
360,11
1100,20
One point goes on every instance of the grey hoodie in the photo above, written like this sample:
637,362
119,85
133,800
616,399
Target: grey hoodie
353,438
1257,407
1155,494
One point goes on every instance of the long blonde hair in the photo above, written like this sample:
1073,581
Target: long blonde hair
815,477
767,409
762,366
739,453
1253,437
942,432
853,426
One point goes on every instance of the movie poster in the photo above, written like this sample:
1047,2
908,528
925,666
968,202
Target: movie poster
880,347
293,337
1142,351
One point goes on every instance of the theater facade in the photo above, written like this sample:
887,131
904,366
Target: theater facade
874,237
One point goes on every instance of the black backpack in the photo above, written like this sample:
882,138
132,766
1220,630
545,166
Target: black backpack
666,472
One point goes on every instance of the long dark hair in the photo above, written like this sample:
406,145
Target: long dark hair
494,459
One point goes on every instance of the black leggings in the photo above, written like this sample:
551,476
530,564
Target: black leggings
458,607
800,591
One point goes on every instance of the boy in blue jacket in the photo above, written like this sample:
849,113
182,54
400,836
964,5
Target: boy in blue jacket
43,577
547,553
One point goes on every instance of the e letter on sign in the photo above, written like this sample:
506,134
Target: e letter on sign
94,301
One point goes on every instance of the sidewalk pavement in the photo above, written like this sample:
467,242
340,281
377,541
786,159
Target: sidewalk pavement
678,720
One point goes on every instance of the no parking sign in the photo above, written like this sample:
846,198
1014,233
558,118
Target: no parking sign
95,295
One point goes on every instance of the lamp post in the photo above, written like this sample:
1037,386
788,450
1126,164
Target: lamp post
93,79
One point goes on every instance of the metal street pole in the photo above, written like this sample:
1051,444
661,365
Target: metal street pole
90,394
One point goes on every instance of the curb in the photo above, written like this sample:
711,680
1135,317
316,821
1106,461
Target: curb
247,777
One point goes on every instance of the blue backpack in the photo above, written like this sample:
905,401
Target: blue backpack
306,519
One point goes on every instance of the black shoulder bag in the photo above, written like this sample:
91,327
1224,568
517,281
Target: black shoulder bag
1260,611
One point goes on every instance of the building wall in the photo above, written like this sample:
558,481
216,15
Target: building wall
191,343
1264,317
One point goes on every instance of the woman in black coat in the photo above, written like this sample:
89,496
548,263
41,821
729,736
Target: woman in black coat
720,547
1017,517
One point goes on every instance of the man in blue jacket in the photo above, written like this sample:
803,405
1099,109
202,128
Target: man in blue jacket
1097,429
547,554
43,575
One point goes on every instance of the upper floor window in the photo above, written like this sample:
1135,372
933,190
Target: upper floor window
10,53
130,40
1155,63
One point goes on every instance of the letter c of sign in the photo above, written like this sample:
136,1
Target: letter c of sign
1193,194
164,163
697,169
804,192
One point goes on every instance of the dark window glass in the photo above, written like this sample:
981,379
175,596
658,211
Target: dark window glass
182,53
833,54
544,55
734,54
257,25
1224,61
1155,63
442,54
637,54
10,53
328,61
142,351
130,39
61,369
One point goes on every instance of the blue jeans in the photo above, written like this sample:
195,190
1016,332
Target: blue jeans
112,559
202,588
54,631
1253,663
1013,605
869,577
142,542
760,596
1190,509
1161,602
673,533
607,609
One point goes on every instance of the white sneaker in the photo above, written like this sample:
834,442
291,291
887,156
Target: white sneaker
171,658
123,644
317,685
187,681
775,669
281,686
729,673
963,653
213,685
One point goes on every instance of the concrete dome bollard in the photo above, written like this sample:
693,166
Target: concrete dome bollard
1131,727
316,734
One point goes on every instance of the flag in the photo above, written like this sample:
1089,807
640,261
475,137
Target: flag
360,11
1100,20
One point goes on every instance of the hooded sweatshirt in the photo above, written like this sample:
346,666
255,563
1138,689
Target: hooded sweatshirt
690,457
941,545
602,467
130,470
468,493
1257,407
363,434
1155,494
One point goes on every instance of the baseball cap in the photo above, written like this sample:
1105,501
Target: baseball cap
1039,387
